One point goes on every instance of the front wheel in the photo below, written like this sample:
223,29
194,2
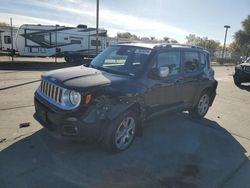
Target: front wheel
237,81
201,108
120,134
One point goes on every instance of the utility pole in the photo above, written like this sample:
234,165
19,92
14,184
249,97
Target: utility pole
56,44
11,36
97,25
223,50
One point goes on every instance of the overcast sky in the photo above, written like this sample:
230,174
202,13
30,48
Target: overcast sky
173,18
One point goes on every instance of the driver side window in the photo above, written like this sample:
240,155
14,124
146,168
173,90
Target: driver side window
171,60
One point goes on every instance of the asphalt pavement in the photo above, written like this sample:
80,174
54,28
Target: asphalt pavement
174,151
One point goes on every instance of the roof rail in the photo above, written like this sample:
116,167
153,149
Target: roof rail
124,42
170,45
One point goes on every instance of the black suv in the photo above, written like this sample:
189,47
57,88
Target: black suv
242,72
126,84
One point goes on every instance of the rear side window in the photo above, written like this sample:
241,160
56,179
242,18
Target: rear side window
171,60
191,61
203,59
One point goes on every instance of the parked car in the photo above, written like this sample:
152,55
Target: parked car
110,99
242,72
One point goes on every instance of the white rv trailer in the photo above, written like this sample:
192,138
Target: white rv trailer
5,38
72,43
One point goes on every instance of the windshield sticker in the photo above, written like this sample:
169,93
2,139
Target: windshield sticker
142,51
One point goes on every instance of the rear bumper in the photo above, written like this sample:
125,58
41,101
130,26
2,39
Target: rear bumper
65,125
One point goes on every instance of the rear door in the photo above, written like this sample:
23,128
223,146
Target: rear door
192,74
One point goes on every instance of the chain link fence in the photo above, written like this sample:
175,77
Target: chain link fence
229,56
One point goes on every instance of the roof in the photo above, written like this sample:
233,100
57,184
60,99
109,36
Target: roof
137,44
159,45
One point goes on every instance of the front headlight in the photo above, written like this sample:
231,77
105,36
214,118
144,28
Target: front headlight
75,98
71,99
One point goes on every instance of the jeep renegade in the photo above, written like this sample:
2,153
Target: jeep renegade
109,99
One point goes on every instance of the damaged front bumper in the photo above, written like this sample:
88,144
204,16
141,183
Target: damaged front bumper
66,125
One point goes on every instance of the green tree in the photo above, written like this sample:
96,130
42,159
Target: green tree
236,51
3,24
173,41
152,38
127,35
204,42
166,39
242,38
192,39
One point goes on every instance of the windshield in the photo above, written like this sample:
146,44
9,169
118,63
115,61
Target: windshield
127,60
248,60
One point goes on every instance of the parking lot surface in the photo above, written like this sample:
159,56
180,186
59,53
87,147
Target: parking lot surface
174,151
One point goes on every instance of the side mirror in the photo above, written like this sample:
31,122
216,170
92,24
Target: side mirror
163,72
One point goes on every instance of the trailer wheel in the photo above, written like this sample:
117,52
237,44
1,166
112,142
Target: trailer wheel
79,60
75,60
69,59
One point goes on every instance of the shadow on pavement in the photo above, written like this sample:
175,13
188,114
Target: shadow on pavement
37,66
175,151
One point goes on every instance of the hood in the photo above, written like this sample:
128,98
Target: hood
245,64
82,77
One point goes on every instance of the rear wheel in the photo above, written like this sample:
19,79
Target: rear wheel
121,133
201,108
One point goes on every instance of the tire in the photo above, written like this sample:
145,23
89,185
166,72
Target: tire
237,81
74,60
201,108
120,134
69,59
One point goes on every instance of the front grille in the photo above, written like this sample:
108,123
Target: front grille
51,91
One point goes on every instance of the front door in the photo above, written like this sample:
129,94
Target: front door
165,92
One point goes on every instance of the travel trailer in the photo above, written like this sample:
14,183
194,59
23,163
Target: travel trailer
72,43
5,38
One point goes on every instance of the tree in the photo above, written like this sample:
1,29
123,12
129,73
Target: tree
3,24
166,39
236,51
242,38
127,35
152,38
170,40
204,42
173,41
192,39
